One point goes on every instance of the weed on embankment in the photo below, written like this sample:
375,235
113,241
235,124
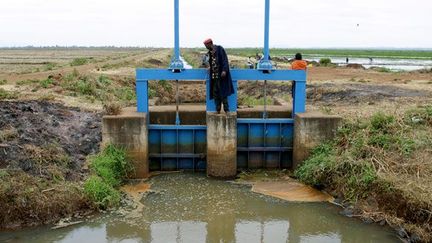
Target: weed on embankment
8,95
28,200
109,168
42,195
383,166
93,88
79,61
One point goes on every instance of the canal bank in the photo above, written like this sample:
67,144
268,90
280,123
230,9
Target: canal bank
192,208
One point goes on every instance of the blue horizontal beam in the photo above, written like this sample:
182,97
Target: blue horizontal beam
267,121
177,127
143,74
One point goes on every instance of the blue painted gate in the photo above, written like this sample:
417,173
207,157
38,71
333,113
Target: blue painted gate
261,143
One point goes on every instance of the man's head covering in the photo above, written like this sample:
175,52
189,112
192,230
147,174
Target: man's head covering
207,41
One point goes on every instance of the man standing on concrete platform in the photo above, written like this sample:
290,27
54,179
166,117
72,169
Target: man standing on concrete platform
221,85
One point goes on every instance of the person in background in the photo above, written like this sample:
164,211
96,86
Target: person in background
221,85
250,63
299,63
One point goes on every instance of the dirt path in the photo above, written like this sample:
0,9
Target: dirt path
87,68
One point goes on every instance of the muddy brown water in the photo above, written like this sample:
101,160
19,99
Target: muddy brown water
193,208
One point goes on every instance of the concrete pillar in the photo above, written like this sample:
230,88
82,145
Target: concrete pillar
311,129
222,145
129,130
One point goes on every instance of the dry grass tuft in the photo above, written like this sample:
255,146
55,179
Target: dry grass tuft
26,199
8,133
383,165
112,108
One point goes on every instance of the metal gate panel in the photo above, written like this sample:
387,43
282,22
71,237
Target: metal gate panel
177,147
264,143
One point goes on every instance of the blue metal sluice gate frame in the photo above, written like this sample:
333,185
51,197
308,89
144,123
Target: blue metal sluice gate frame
261,142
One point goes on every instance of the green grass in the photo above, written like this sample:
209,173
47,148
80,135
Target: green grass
4,81
165,85
108,66
325,61
50,66
252,101
4,94
101,193
101,88
27,82
79,61
110,167
192,57
46,83
349,162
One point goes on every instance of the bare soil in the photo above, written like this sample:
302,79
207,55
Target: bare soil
40,124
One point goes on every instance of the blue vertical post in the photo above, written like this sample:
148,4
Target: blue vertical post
142,96
232,99
265,63
176,64
176,30
299,97
266,29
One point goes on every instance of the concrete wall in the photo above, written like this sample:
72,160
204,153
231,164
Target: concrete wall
197,115
222,145
310,129
129,130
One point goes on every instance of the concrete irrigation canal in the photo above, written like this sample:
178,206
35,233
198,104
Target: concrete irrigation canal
192,208
189,173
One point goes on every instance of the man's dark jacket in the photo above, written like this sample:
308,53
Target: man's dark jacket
226,84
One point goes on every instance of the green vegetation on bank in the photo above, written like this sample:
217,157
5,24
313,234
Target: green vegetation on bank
101,88
252,101
193,58
79,61
43,193
325,61
387,158
7,95
109,168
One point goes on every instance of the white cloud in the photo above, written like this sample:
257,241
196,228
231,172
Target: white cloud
313,23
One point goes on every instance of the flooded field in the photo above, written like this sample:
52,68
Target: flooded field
193,208
390,63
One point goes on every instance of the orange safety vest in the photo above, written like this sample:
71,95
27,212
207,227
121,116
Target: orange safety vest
299,65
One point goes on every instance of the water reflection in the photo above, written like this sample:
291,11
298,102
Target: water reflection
391,63
192,208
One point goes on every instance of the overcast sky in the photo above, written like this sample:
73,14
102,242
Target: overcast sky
231,23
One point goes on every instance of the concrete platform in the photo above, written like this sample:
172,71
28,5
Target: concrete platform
129,131
311,129
222,145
